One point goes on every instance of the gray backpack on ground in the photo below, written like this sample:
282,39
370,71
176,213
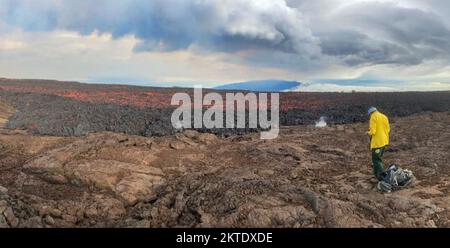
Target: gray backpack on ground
395,178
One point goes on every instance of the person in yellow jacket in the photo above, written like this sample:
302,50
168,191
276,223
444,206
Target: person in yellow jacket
379,132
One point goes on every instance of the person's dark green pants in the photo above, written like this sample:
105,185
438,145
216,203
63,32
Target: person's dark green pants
377,163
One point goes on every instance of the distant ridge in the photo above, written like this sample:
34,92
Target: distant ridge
262,86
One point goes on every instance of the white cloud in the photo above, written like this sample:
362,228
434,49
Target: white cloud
342,88
10,44
66,55
412,86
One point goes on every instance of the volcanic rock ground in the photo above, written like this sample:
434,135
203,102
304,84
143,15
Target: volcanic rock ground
74,109
308,177
69,157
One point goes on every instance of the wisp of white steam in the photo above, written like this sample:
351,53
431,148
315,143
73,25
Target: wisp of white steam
322,122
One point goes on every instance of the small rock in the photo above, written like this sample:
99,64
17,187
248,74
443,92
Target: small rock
92,222
177,145
270,173
49,220
293,175
55,212
428,211
190,133
3,190
3,206
400,204
376,225
430,224
11,218
3,222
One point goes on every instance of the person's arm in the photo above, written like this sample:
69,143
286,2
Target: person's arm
373,126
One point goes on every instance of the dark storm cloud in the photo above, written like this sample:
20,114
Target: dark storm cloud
171,24
395,34
286,34
355,48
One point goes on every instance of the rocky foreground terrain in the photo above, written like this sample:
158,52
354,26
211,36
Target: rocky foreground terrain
308,177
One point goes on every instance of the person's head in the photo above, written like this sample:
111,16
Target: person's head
372,110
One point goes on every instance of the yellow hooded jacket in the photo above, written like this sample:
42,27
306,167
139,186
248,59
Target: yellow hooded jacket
379,130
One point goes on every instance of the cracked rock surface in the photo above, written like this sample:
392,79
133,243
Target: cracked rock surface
308,177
